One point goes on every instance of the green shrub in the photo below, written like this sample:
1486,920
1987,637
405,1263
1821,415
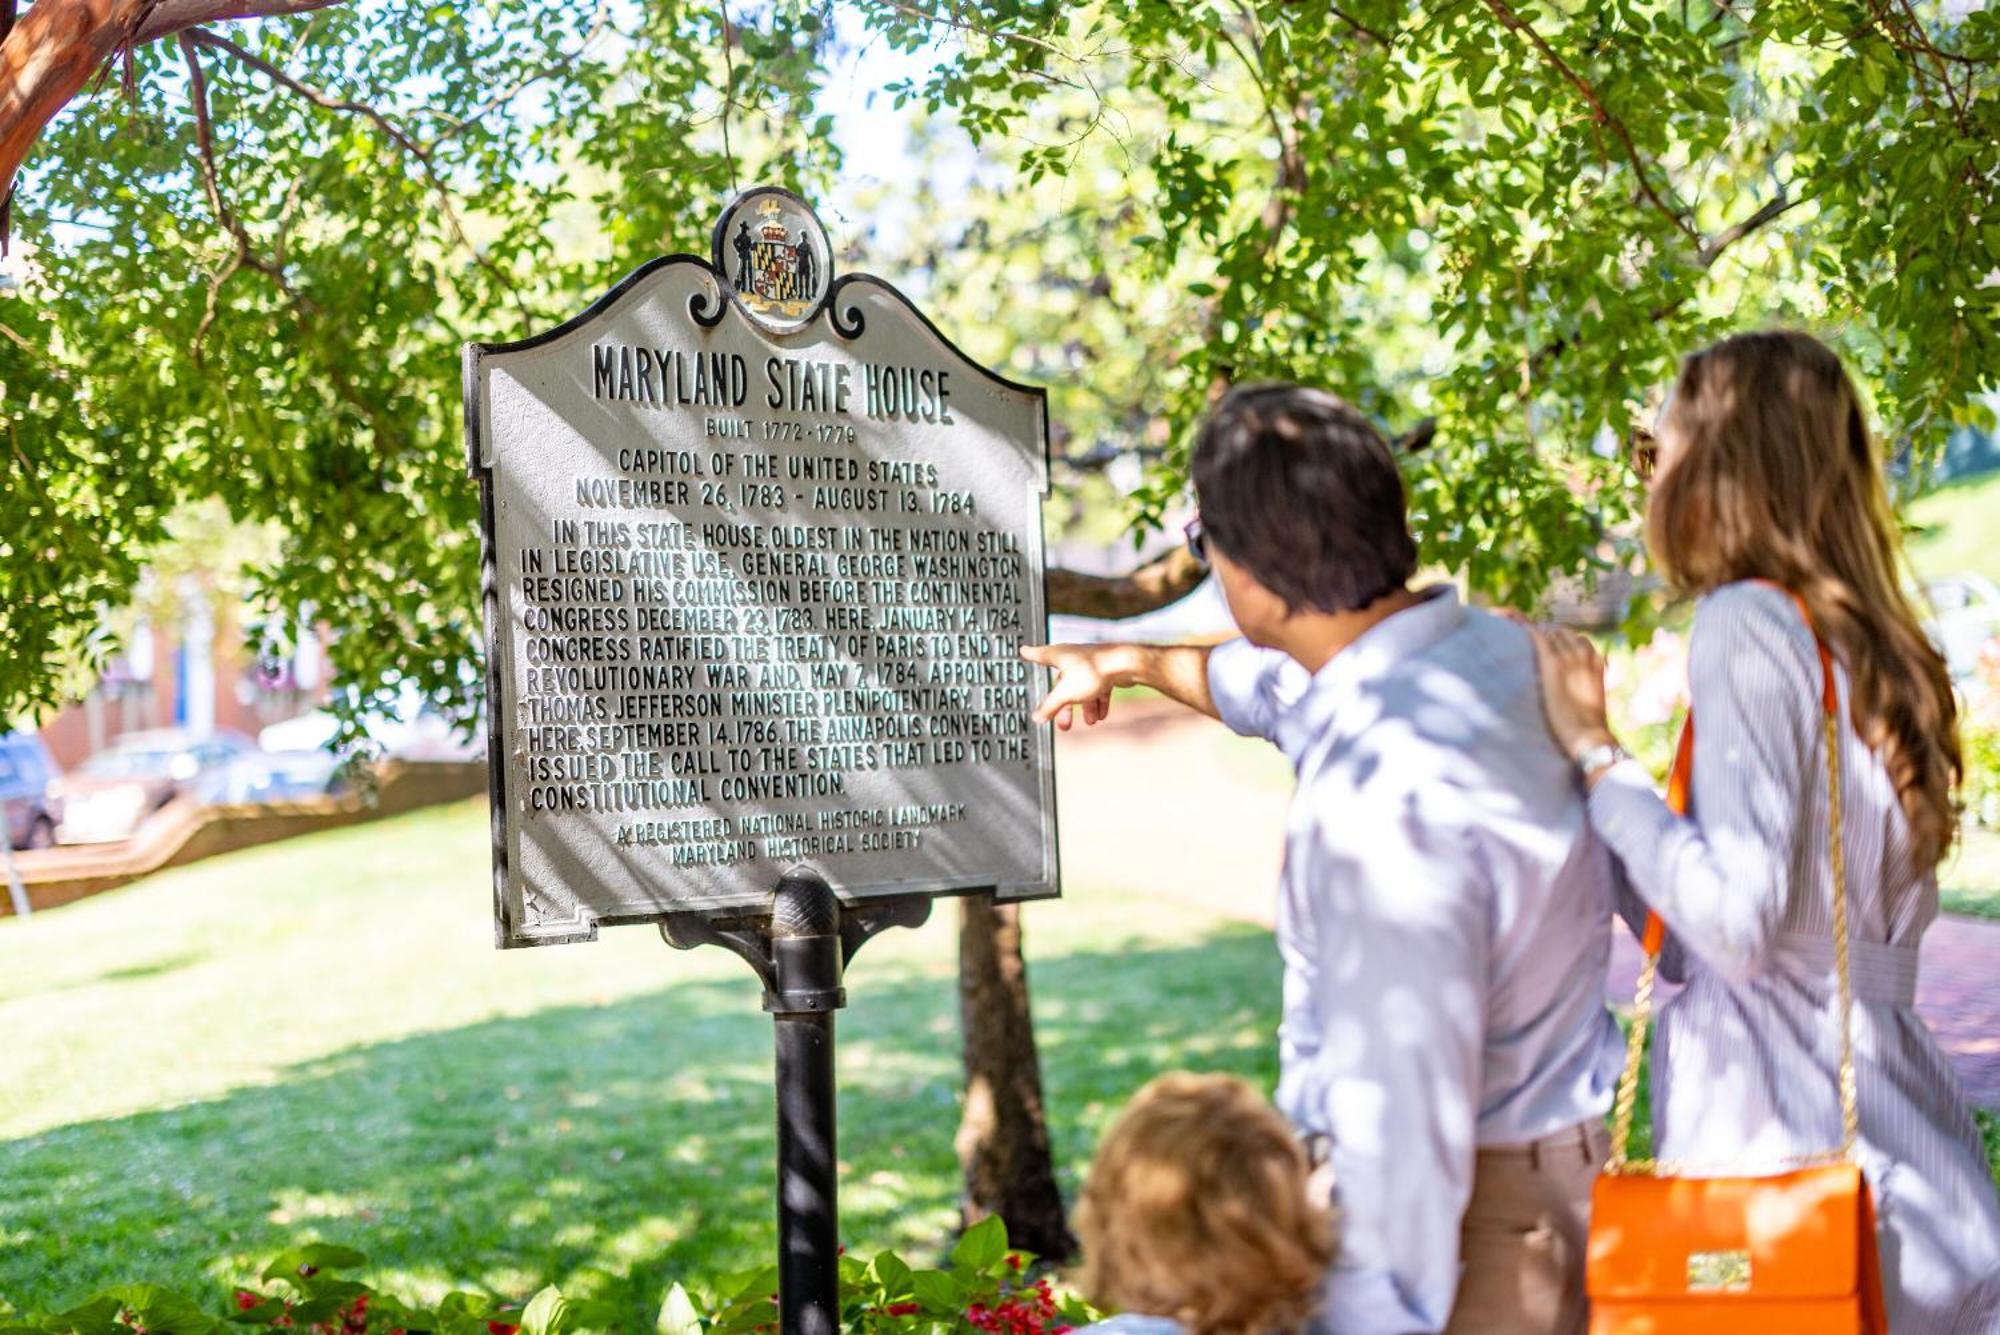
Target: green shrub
986,1289
1980,737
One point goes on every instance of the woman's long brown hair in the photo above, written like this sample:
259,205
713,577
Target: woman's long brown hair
1772,475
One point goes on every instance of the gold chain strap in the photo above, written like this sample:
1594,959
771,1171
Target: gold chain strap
1850,1095
1642,1000
1628,1083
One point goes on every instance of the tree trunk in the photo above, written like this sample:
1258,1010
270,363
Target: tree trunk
1003,1139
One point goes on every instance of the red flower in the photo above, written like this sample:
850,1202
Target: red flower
1014,1260
903,1309
501,1328
245,1300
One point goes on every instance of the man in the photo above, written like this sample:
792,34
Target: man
808,267
745,277
1444,916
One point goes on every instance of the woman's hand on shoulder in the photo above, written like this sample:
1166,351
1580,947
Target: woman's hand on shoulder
1572,680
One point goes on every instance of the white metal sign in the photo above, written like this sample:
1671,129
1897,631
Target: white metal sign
761,549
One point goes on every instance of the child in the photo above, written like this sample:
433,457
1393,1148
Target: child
1197,1219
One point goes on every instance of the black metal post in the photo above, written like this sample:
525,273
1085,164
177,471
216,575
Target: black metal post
799,952
806,955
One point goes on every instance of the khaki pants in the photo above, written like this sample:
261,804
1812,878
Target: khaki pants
1524,1236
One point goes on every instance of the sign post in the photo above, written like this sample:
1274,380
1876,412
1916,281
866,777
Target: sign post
17,891
761,549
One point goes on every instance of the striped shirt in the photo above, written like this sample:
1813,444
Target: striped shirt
1747,1074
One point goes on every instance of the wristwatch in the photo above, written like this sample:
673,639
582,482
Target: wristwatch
1593,759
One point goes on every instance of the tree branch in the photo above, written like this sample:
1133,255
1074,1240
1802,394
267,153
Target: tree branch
402,138
211,181
729,88
1599,114
172,16
1279,208
990,34
1163,580
1712,249
7,8
302,309
1173,576
528,80
204,138
1358,26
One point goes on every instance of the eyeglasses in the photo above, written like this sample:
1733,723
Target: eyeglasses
1197,540
1645,453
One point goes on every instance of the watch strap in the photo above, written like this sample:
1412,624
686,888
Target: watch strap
1600,757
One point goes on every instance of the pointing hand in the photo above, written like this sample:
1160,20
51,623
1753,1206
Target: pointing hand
1085,677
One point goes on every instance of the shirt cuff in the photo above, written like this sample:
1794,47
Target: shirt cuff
1628,812
1242,681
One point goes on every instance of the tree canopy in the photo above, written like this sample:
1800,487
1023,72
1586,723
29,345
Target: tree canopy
249,249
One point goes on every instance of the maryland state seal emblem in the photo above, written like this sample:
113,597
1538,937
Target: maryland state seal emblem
774,254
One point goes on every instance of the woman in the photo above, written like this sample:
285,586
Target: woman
1768,486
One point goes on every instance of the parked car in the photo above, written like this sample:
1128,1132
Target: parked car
275,776
138,774
27,775
1966,619
410,730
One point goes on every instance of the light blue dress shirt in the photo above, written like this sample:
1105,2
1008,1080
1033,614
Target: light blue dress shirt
1444,920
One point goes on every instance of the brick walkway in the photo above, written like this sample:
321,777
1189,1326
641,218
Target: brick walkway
1162,802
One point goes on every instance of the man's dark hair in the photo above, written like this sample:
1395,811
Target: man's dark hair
1300,490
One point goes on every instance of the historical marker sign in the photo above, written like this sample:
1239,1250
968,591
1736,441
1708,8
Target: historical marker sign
762,546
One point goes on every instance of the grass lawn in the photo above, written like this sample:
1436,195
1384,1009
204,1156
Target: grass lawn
1970,879
316,1040
1953,528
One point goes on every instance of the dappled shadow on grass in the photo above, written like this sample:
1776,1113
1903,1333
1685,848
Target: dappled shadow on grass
610,1149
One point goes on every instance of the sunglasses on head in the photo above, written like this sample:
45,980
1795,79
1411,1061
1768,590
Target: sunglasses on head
1645,453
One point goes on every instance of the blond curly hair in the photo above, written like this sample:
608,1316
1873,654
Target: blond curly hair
1197,1207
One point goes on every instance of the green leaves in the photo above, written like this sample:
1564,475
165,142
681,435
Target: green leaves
678,1314
940,1293
154,1309
891,1274
883,1295
301,1265
322,1300
1433,211
295,356
982,1246
550,1313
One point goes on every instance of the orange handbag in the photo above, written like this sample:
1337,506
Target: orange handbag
1791,1252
